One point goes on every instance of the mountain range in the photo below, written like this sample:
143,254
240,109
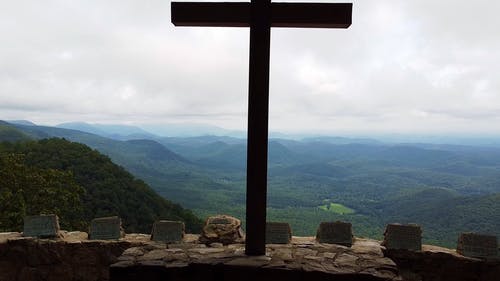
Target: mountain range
94,184
447,188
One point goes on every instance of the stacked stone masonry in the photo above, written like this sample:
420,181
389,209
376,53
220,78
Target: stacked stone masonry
219,254
135,257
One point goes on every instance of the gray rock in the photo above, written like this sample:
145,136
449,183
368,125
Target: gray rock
222,229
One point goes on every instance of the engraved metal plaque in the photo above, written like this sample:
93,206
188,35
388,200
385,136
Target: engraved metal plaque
167,231
107,228
477,245
278,233
43,226
406,237
335,233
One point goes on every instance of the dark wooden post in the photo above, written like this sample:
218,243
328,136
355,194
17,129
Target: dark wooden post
258,111
260,16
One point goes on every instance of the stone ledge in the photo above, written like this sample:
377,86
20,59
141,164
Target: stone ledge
300,260
71,257
74,257
435,263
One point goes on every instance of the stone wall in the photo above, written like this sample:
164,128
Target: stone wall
75,258
303,259
72,258
440,264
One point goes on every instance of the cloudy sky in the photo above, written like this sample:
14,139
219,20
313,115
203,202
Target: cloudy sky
419,66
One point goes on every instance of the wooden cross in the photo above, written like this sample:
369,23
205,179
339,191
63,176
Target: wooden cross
260,16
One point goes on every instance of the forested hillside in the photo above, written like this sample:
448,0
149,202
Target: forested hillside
27,190
446,188
8,133
107,189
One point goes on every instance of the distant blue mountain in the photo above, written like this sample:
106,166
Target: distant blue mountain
191,130
445,188
114,131
81,126
21,122
151,131
341,140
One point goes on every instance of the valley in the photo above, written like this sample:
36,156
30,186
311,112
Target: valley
445,188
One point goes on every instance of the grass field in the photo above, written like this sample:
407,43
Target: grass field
337,208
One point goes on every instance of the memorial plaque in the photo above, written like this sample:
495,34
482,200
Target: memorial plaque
167,231
406,237
335,233
43,226
278,233
107,228
477,245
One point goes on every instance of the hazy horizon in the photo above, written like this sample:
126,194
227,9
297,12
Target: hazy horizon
200,130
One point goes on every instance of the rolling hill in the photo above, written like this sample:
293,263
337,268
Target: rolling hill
10,134
379,182
108,189
168,173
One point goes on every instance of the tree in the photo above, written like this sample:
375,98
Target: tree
27,190
59,166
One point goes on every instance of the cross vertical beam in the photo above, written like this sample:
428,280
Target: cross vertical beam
260,16
258,112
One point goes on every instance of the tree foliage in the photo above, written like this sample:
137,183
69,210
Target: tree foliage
51,170
27,190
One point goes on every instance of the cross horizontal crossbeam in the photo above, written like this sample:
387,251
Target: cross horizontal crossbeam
237,14
260,16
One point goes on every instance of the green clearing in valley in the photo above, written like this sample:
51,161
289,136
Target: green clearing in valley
337,208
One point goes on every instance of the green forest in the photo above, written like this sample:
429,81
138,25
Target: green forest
447,189
78,184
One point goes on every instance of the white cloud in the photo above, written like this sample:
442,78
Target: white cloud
416,65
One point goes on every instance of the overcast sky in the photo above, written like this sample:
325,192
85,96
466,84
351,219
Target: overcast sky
420,66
